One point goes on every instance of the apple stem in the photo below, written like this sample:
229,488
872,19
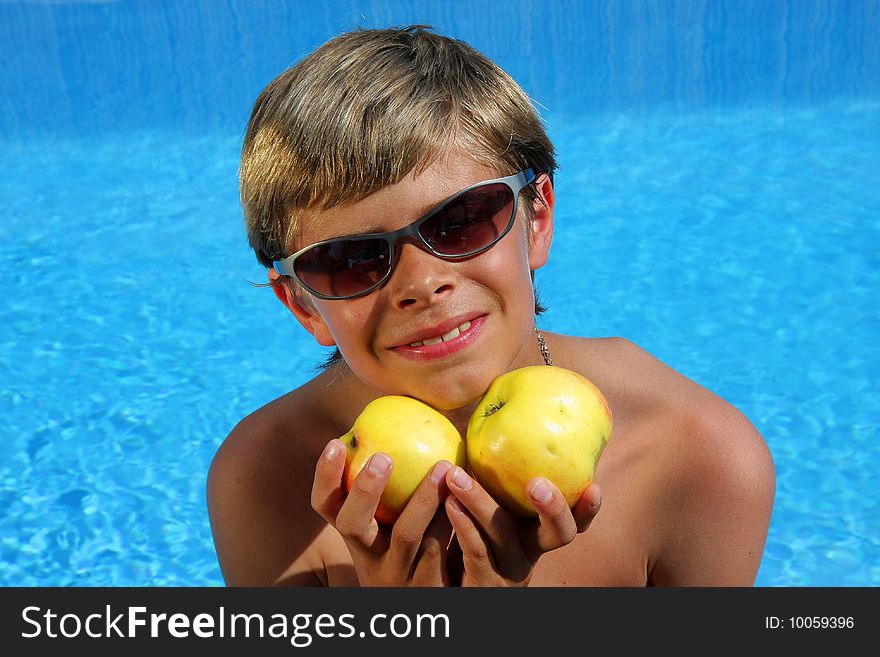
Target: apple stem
494,408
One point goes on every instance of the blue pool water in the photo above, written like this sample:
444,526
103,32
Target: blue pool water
717,204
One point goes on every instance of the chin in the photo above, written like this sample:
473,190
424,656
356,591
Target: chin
453,392
447,403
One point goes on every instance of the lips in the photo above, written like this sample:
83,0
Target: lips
446,337
443,331
442,339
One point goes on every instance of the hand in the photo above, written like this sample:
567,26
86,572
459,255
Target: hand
500,550
413,551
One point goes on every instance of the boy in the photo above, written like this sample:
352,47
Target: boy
403,130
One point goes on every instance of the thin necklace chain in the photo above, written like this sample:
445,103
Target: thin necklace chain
542,344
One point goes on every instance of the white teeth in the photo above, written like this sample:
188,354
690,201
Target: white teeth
446,337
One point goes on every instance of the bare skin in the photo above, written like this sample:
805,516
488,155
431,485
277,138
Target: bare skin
686,485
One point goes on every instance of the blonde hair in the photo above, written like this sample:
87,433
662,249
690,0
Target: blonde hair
363,111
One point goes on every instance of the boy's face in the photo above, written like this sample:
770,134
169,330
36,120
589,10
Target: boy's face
386,336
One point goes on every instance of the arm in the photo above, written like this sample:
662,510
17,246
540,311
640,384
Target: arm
720,486
279,516
265,532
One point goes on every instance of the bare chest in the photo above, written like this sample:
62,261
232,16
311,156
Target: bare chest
609,553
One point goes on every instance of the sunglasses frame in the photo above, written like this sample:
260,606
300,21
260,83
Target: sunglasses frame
516,182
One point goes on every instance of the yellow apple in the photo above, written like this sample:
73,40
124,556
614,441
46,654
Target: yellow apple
413,434
537,421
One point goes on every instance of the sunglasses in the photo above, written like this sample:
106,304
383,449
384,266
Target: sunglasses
462,226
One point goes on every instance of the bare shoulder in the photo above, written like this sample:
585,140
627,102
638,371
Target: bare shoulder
259,489
704,465
711,435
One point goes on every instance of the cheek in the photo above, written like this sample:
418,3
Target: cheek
347,321
507,263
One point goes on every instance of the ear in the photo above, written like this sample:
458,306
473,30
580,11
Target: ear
541,225
302,308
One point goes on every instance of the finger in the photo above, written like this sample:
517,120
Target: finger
355,520
556,525
409,530
494,522
327,492
587,507
497,525
430,566
476,556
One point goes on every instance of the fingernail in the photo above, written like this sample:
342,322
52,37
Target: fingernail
379,464
331,451
595,506
540,491
438,472
455,504
461,479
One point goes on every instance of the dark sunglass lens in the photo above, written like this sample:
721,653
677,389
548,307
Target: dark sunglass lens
343,268
471,222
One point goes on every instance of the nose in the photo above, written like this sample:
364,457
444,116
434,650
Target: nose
419,278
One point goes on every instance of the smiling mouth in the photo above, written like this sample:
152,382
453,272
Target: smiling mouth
446,337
